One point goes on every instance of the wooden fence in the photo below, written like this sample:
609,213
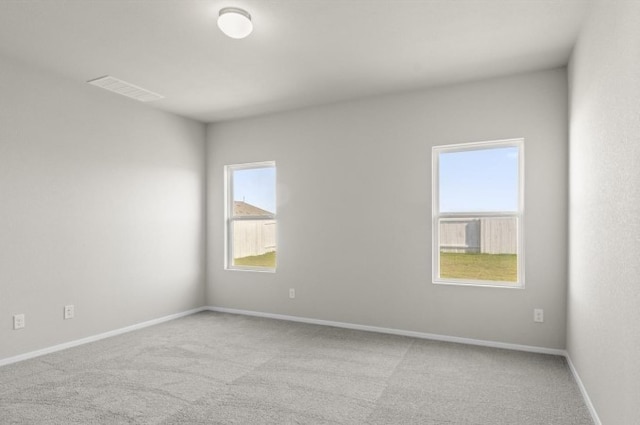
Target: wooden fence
253,237
491,235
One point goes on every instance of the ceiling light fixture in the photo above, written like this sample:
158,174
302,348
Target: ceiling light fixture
235,22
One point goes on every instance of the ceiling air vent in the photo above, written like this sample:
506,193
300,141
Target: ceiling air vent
126,89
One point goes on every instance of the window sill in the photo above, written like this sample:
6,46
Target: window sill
251,269
479,283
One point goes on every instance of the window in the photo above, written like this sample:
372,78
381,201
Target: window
251,216
478,206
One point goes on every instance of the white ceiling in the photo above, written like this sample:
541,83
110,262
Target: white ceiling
302,52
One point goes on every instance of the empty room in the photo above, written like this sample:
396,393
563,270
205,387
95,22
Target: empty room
320,212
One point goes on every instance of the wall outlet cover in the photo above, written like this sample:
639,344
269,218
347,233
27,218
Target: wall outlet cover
69,312
19,321
538,315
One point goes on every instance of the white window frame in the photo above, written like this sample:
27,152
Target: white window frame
437,215
230,219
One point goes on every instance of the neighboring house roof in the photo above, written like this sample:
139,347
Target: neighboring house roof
241,208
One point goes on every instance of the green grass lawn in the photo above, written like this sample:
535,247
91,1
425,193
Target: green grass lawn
496,267
264,260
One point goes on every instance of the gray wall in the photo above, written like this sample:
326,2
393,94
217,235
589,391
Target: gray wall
101,206
346,168
604,290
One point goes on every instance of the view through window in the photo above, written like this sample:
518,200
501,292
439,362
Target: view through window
477,213
251,216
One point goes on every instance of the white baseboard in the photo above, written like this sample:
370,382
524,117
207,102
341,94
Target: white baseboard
414,334
98,337
583,390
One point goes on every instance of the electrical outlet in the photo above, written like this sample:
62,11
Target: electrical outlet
18,322
538,315
69,312
292,293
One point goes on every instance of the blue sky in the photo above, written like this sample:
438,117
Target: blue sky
256,186
479,180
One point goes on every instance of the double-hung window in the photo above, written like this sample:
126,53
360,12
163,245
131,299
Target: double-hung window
251,216
478,212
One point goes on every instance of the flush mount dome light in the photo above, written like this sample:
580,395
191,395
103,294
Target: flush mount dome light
234,22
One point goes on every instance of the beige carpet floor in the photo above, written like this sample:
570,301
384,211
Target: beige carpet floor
213,368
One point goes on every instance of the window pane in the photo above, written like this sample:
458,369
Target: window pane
251,216
254,191
479,180
479,248
254,243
